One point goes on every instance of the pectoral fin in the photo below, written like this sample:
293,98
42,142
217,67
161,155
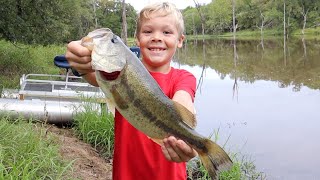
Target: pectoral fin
188,117
111,106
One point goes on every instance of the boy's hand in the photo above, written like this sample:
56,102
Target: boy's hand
177,150
79,57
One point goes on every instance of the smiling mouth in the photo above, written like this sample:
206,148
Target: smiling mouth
156,49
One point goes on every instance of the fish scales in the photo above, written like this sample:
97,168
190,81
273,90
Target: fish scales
141,93
138,97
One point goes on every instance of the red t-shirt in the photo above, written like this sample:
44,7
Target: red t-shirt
136,157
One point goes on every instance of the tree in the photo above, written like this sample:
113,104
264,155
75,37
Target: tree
248,15
192,21
110,16
305,7
201,14
59,21
43,22
220,16
124,23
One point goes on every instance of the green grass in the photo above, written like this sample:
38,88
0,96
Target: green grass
245,34
96,128
29,154
256,34
243,168
18,59
200,172
309,33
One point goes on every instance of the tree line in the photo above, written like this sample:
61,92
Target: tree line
253,15
60,21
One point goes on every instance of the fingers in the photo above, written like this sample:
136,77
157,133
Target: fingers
76,48
79,57
177,150
72,57
169,150
76,53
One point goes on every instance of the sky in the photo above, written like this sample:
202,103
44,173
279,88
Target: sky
181,4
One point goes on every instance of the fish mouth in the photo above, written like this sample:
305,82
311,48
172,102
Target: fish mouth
109,76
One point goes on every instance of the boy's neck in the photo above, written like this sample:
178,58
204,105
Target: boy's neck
165,69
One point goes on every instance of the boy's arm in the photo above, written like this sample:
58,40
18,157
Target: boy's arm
172,148
184,98
91,78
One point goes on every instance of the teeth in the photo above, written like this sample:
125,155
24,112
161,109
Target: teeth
156,49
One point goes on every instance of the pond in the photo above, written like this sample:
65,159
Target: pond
262,98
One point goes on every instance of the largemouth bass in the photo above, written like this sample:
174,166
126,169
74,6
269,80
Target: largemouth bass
137,96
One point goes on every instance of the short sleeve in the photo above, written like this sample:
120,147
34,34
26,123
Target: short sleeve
186,81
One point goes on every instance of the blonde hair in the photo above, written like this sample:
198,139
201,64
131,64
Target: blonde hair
162,9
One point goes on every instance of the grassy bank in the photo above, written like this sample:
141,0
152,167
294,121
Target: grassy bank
27,152
18,59
96,128
310,33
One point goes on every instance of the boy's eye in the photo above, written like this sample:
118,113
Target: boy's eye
166,32
146,31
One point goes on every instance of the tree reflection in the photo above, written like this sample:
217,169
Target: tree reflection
280,63
235,54
200,81
235,61
285,50
304,57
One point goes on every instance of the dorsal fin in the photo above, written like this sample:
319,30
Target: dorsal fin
87,42
188,117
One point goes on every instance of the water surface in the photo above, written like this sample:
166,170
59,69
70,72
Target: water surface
263,98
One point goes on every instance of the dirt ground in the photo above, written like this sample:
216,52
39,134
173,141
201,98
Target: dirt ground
88,164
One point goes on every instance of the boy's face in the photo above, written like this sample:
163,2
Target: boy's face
158,40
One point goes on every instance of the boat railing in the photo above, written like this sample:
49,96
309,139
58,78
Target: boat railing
63,87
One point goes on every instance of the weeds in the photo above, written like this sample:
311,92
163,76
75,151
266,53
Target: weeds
96,127
18,59
28,154
243,169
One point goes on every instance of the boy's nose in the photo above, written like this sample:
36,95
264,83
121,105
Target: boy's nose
156,37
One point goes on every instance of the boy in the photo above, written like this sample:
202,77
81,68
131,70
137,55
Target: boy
159,32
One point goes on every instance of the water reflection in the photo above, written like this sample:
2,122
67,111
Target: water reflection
275,117
299,66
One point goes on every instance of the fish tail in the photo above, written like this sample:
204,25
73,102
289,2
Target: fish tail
215,159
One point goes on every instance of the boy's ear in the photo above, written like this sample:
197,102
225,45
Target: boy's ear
181,39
